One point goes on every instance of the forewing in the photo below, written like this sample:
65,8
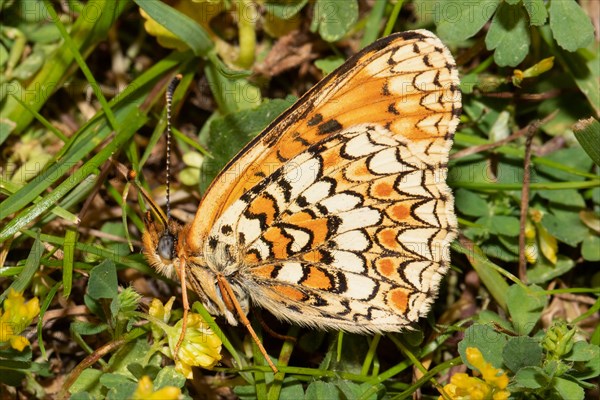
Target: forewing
406,82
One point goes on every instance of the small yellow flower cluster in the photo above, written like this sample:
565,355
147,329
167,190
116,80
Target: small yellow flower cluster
465,387
17,316
145,391
200,347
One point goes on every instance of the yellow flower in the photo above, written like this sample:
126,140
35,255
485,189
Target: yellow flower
465,387
531,247
160,311
17,316
536,233
548,244
163,313
200,346
145,391
18,342
493,376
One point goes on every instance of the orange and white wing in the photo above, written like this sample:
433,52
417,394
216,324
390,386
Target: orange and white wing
338,214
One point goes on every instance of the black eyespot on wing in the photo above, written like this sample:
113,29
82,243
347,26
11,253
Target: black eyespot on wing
301,201
280,157
213,242
341,285
436,81
333,223
326,257
316,120
286,188
426,61
302,141
456,111
385,90
329,127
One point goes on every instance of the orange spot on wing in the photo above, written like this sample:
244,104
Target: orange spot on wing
318,227
399,299
263,271
358,171
363,171
264,205
317,279
298,218
399,212
386,267
289,292
331,159
279,241
292,148
313,256
383,189
250,258
387,237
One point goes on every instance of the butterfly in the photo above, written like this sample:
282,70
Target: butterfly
338,215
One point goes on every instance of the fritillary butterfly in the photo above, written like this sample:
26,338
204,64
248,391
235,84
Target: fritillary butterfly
337,215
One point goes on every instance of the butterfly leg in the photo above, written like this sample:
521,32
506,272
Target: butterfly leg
186,307
231,301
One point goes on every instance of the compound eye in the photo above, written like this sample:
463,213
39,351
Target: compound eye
165,248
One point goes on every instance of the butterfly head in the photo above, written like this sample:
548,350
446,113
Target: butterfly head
160,245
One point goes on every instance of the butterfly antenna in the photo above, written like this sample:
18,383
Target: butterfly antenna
169,97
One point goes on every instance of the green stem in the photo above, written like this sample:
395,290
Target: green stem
389,27
247,16
534,186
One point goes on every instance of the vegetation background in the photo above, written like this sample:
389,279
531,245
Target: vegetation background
81,94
